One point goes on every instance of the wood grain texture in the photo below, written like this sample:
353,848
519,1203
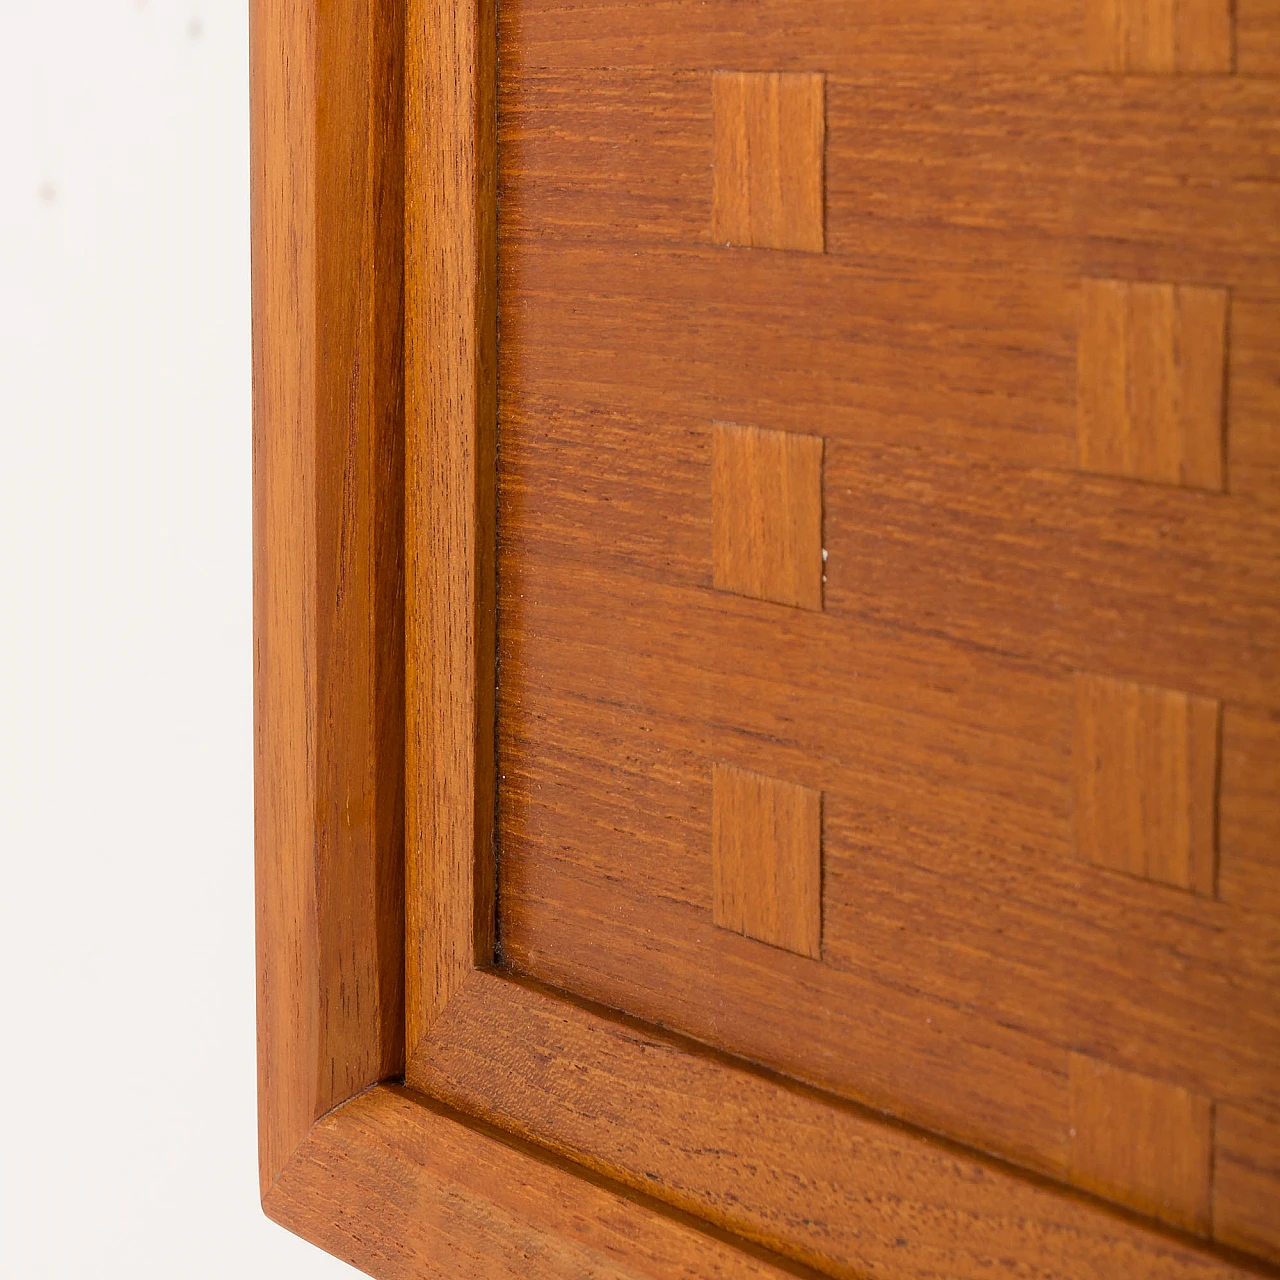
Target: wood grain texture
1246,1182
766,514
1051,36
1253,399
766,859
328,647
1159,36
1204,38
1249,863
1146,781
951,798
406,1190
1152,370
450,424
1257,37
1143,1142
769,132
947,781
638,327
831,1186
1038,195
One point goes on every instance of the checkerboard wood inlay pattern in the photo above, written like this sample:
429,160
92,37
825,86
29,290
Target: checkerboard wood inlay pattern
1007,353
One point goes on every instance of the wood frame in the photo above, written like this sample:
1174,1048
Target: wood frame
486,1160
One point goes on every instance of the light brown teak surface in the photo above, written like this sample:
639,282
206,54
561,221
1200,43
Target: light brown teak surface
766,514
1146,766
871,513
769,137
766,859
1152,368
1034,351
1159,35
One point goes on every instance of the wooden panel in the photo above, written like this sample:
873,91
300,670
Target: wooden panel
1152,368
796,34
1135,36
964,548
625,154
833,1186
1008,345
642,330
406,1190
947,781
766,514
973,567
1249,863
892,1045
1246,1182
932,542
451,410
767,162
1146,781
1141,1141
1041,191
766,859
999,35
328,648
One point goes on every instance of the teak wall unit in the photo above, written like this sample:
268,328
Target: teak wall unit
535,1075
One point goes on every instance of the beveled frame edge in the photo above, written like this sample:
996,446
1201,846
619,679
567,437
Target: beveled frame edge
327,209
728,1141
404,1187
450,517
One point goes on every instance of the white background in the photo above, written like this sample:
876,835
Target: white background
127,1145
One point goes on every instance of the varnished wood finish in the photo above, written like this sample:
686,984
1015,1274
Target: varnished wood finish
1151,373
832,1186
1159,36
982,176
449,529
1250,858
766,859
931,702
1146,772
1246,1182
328,471
406,1191
1143,1142
767,165
766,514
997,35
1179,984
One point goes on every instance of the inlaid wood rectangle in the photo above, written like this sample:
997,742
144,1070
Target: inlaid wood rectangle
766,859
1151,374
1246,1182
1143,1142
1159,36
1249,810
1146,781
766,514
769,132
